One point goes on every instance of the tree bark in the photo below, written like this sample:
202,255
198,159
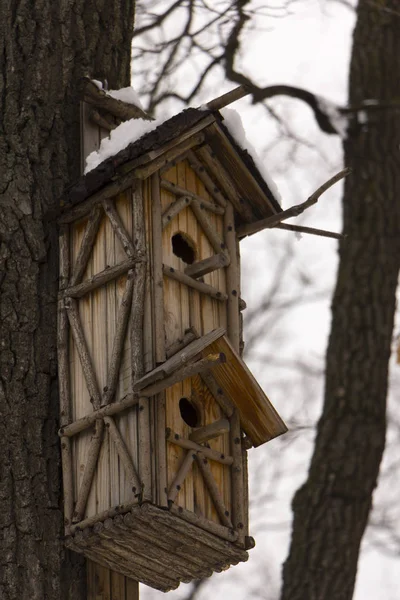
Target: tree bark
46,46
331,509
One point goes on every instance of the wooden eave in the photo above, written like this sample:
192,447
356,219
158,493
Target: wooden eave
259,419
193,128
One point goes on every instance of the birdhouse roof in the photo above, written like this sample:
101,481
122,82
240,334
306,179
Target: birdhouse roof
233,380
255,199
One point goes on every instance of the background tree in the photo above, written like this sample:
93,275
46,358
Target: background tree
45,48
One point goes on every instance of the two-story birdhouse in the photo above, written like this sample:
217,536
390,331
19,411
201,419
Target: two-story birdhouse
158,409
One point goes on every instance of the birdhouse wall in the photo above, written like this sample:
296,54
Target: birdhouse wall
130,295
185,307
99,313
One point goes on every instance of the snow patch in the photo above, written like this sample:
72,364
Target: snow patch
97,83
338,121
120,137
234,124
128,95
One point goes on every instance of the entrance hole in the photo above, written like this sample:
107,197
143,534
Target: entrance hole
183,248
189,412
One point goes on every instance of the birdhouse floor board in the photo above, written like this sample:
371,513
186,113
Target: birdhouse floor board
156,547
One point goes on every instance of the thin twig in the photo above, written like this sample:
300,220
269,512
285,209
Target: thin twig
293,211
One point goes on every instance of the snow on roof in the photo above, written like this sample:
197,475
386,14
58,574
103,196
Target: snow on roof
233,123
128,95
120,137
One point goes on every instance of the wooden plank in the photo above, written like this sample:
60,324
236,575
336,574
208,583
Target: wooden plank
161,450
179,479
237,477
179,359
157,164
118,340
193,283
158,284
189,336
213,237
226,533
88,475
83,351
175,438
182,192
86,247
259,418
213,489
244,182
232,279
210,185
87,421
118,227
118,586
174,209
100,279
207,265
208,432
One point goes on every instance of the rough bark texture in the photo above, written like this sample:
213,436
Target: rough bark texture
45,47
331,509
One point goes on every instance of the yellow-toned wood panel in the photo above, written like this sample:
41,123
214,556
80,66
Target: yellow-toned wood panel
99,313
194,494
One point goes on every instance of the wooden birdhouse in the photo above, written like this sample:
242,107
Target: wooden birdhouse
158,409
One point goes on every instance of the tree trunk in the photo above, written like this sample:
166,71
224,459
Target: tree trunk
331,509
46,46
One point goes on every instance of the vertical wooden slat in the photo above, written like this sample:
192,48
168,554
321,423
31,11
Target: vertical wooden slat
157,269
161,466
245,492
86,246
118,586
237,477
233,282
64,378
138,299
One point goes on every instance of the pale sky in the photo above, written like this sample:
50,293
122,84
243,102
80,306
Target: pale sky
309,48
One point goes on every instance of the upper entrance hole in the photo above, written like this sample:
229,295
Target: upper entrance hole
189,412
183,248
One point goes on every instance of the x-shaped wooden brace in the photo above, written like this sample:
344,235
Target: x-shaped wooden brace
76,289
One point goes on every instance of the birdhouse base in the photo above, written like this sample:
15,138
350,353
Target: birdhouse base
156,547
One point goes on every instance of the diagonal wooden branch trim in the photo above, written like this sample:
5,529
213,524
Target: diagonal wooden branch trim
209,184
196,368
219,530
119,339
212,235
189,336
174,209
123,454
88,420
204,288
183,470
212,487
180,191
175,438
225,405
92,227
83,351
90,467
311,231
209,432
105,276
207,265
119,227
65,266
293,211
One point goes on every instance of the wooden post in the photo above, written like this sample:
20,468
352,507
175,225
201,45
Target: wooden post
158,281
237,495
137,335
232,279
